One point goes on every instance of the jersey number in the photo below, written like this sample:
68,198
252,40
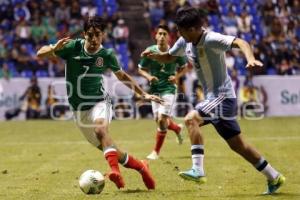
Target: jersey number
86,69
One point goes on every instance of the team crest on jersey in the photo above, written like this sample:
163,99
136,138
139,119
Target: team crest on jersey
99,62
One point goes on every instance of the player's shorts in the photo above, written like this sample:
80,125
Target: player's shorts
85,120
166,109
221,112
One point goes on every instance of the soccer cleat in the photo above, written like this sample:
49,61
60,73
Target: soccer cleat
117,179
153,156
179,136
193,175
274,185
147,177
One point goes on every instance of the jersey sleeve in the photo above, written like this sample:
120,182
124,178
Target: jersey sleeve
178,48
181,61
67,50
144,63
219,41
113,61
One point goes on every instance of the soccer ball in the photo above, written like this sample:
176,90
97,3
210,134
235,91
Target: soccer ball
91,182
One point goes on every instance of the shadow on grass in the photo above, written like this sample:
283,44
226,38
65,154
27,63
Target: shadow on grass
183,157
280,195
130,191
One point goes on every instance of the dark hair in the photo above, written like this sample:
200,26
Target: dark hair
164,27
95,22
187,17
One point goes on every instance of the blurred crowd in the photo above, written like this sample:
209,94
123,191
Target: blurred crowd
272,27
26,25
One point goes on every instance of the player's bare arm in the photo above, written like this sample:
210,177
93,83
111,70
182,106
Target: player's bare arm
246,49
162,57
148,76
182,71
129,82
48,50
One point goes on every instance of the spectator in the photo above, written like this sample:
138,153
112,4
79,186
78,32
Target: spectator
230,24
33,99
244,22
5,72
156,13
62,13
121,32
21,12
89,10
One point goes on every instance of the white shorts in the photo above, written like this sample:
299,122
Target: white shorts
85,120
166,109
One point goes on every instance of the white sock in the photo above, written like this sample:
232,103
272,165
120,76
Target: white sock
270,172
197,158
266,169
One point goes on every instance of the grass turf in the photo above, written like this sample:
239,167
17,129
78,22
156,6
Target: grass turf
43,160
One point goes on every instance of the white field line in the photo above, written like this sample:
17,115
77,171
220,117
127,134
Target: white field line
280,138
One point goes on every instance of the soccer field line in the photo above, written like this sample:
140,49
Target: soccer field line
280,138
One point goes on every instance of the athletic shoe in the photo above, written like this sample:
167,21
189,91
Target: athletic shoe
117,179
193,175
153,156
147,177
274,185
179,138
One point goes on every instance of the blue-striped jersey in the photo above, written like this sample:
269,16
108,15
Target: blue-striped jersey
208,59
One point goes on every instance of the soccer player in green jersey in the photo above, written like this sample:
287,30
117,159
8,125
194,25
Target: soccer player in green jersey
162,78
86,61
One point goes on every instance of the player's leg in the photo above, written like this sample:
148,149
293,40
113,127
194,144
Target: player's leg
249,153
113,154
94,126
192,121
141,166
160,134
167,109
229,129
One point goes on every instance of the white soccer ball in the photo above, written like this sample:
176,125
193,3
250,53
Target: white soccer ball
91,182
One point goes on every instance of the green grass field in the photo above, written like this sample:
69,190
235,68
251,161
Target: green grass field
43,160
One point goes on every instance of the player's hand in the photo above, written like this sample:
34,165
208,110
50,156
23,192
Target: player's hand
254,63
149,54
172,79
153,79
61,43
153,98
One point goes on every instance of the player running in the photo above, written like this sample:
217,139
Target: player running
86,61
206,50
162,79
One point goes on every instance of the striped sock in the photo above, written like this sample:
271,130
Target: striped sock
266,169
131,162
197,158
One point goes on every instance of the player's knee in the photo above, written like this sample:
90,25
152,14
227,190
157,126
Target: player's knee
162,122
192,119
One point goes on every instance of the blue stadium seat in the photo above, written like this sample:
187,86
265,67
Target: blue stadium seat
247,36
223,10
250,2
42,73
27,73
214,20
271,71
223,2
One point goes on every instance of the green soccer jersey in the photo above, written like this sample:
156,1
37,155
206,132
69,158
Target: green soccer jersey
84,73
162,72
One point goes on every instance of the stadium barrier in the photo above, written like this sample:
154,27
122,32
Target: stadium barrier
282,94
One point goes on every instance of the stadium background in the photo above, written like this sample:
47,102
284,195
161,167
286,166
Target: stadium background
42,159
271,27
